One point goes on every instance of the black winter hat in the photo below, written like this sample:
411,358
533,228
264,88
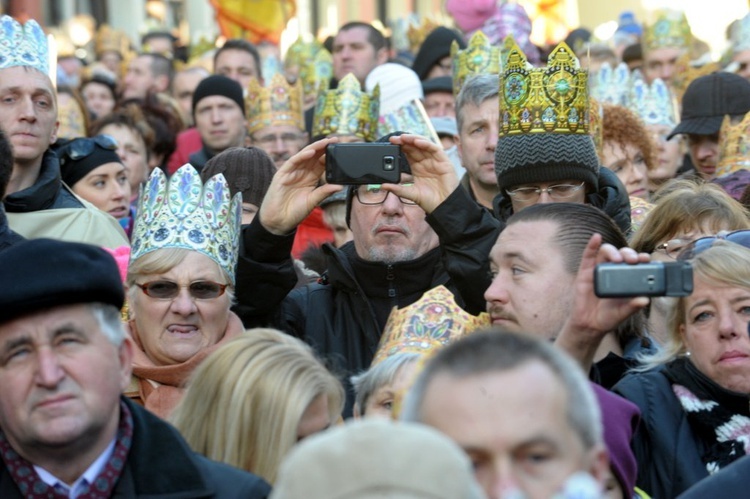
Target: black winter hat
436,46
545,157
73,170
219,85
40,274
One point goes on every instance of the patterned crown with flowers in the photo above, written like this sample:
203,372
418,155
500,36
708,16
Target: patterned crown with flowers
611,86
734,146
654,103
23,45
741,35
347,110
670,29
479,57
183,213
316,71
426,325
280,103
548,99
300,52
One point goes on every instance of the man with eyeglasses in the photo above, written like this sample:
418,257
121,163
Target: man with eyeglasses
404,244
37,202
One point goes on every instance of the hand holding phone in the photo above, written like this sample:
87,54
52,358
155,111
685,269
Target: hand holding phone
620,280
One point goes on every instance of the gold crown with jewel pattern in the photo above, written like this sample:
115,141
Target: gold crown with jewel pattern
416,33
479,57
316,70
347,110
108,39
429,323
670,29
280,103
734,146
547,99
301,52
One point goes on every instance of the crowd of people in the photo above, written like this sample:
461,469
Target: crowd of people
188,308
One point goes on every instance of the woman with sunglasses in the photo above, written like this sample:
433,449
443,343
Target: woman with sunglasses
684,211
694,394
93,170
180,282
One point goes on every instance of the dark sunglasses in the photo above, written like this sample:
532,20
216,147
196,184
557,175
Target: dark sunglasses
168,290
80,148
741,237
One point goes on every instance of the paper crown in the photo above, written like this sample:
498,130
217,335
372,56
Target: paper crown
23,45
183,213
670,29
611,86
734,146
280,103
654,103
316,71
411,118
686,70
300,52
426,325
741,35
110,40
479,57
548,99
416,33
347,110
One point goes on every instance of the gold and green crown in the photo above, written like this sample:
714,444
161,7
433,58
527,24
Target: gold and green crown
280,103
416,33
734,146
301,52
685,71
347,110
316,70
479,57
670,29
427,325
548,99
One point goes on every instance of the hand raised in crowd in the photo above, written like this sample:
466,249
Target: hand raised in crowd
593,317
295,190
434,176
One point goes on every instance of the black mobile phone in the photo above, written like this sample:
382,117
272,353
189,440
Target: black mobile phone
621,280
363,163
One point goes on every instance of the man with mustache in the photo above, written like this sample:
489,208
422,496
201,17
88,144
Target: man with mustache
65,428
37,202
402,246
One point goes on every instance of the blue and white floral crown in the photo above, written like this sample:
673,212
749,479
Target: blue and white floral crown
183,213
23,45
653,103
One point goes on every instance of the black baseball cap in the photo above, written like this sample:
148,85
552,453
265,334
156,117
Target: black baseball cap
708,99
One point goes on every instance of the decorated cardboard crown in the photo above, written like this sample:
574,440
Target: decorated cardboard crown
654,103
734,146
316,71
183,213
23,45
670,29
411,118
686,70
548,99
280,103
741,35
479,57
300,52
611,86
426,325
347,110
107,39
417,32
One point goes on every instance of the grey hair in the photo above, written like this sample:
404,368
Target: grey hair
368,382
476,90
110,322
497,351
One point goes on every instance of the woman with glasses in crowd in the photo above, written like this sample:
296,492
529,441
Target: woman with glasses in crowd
180,281
684,211
693,394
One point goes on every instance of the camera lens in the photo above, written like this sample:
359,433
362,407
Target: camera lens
388,163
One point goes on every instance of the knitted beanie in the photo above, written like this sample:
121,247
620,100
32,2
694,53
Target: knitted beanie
436,46
248,170
219,85
545,157
73,170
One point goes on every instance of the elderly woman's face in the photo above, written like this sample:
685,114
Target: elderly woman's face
380,403
172,331
715,333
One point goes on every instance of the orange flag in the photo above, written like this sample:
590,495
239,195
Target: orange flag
254,20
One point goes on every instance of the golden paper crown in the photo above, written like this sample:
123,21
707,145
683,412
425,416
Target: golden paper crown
416,33
277,104
547,99
426,325
347,110
734,146
479,57
301,52
108,39
685,72
316,71
670,29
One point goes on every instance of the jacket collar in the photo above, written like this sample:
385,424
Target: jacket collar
43,193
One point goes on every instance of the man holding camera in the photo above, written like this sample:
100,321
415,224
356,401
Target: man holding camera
403,246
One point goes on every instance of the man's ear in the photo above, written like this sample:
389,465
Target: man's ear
382,55
599,464
53,136
125,354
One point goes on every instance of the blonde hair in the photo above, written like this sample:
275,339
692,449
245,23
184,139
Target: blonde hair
243,404
724,263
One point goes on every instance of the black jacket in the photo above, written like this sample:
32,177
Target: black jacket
337,316
7,237
611,198
160,464
47,192
729,483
